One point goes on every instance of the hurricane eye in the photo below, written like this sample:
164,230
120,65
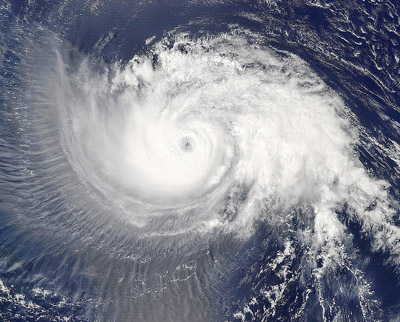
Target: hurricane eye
187,144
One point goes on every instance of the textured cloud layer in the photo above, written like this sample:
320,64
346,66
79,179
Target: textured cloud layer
210,129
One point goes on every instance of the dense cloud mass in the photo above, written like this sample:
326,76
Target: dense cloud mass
209,176
197,121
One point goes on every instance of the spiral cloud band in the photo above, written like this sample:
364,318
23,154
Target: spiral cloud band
182,169
212,132
199,161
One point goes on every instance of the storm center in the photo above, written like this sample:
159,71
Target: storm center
187,144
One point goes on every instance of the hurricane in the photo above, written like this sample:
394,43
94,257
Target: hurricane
200,161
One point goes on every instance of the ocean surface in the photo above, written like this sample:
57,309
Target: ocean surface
199,160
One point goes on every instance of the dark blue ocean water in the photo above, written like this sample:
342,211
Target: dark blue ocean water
59,264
